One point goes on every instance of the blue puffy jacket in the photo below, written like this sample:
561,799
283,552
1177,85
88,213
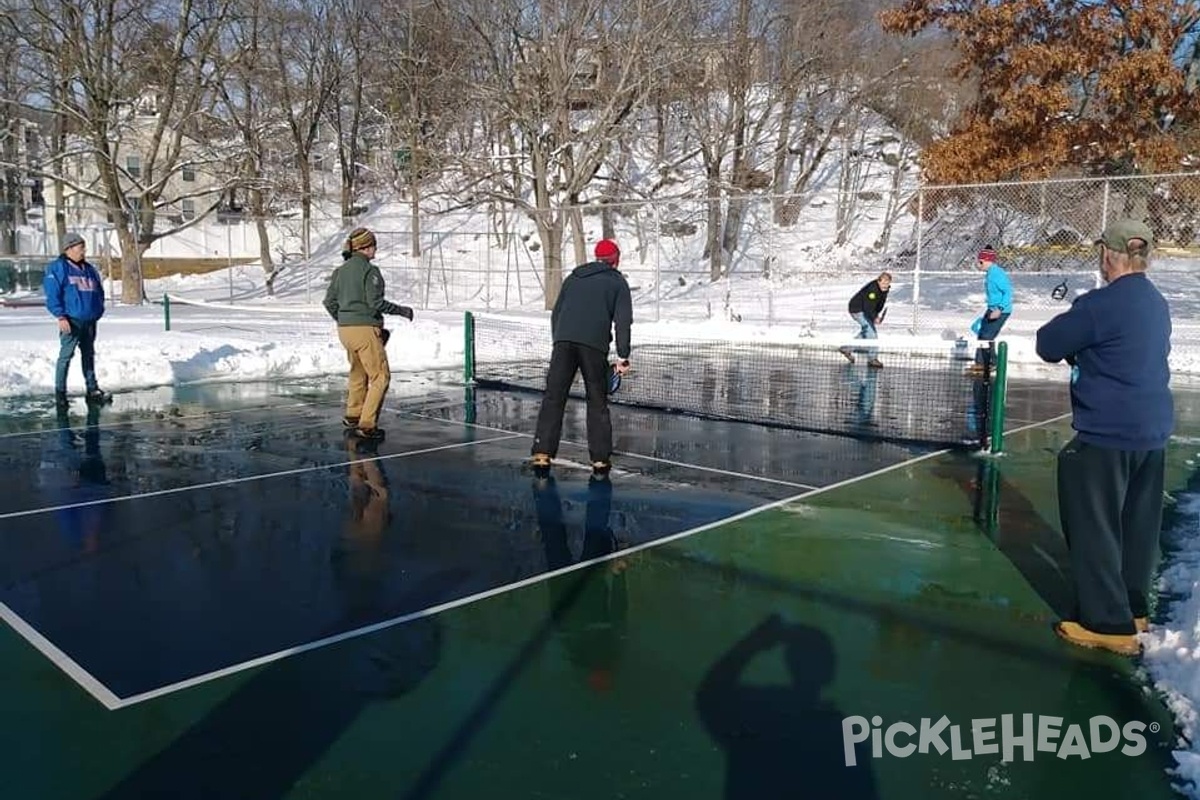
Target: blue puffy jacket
999,289
73,290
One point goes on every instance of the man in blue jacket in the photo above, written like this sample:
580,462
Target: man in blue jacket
999,298
1117,340
75,297
593,302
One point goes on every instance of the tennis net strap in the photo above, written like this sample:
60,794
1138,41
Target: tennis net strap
928,394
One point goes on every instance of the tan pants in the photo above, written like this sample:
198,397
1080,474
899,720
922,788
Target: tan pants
370,373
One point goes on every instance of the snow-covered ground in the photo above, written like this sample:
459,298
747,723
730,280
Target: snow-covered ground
246,343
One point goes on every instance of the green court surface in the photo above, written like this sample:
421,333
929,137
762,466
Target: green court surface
719,662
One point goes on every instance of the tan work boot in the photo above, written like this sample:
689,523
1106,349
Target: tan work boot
1125,644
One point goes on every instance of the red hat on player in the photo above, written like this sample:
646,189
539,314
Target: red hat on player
607,250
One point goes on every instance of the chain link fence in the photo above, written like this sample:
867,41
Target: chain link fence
762,260
1044,233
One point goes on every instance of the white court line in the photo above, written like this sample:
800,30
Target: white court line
730,473
164,418
1032,425
60,659
248,478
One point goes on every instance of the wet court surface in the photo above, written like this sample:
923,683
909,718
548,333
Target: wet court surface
228,601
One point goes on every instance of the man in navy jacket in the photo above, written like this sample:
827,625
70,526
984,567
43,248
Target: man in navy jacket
75,296
593,303
1110,475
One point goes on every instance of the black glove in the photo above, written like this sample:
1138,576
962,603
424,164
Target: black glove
385,334
406,312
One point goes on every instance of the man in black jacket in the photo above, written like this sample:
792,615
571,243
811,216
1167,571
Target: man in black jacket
593,299
866,307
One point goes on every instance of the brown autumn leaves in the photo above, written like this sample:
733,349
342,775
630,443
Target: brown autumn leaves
1066,88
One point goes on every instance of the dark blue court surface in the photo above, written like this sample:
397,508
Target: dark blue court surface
153,553
265,612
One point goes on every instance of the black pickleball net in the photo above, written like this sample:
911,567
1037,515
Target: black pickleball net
924,393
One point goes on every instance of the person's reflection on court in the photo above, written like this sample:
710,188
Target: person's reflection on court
868,388
781,741
589,605
74,477
359,560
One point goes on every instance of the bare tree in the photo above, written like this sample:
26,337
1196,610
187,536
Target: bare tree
562,82
132,77
15,119
352,60
245,104
303,53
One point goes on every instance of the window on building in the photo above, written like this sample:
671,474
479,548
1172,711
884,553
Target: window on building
189,208
133,165
189,174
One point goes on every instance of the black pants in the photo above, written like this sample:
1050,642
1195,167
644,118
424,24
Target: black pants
566,359
1111,507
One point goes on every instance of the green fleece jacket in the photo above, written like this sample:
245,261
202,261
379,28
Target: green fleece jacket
355,294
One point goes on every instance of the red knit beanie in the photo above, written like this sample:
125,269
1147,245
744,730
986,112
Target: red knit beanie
987,254
607,250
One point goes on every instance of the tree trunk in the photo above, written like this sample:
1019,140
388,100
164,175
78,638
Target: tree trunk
258,209
782,157
551,235
577,235
305,206
734,216
132,290
712,236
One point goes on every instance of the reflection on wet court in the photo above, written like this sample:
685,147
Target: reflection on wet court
230,600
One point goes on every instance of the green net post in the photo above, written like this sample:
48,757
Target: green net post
469,348
167,311
999,387
469,408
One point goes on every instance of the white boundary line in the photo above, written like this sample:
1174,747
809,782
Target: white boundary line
164,418
60,659
684,464
248,478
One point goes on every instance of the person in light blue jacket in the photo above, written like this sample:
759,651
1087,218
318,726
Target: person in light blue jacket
999,303
75,297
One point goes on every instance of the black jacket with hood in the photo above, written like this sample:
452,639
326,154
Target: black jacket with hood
593,298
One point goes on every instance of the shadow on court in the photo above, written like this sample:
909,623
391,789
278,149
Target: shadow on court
1006,516
261,740
781,741
586,612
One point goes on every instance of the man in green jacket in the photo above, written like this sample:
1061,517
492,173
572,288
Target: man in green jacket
355,301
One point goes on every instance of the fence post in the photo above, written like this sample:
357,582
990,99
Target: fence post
917,267
167,311
468,348
999,397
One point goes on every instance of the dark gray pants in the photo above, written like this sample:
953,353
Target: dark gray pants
1111,507
566,359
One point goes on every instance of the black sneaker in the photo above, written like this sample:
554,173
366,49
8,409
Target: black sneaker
369,434
98,396
601,468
